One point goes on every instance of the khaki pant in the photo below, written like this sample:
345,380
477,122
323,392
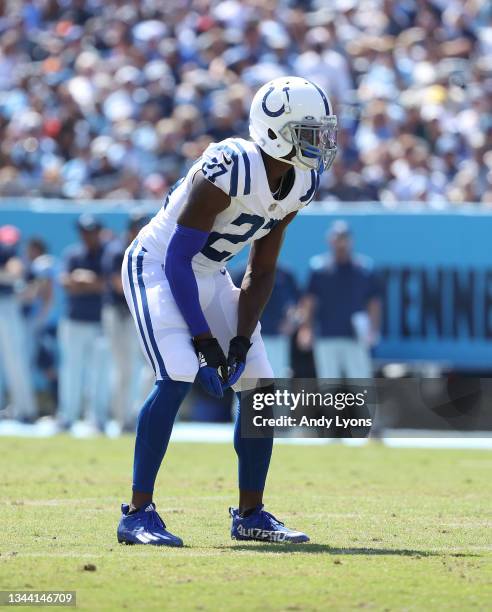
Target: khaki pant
15,373
83,389
342,358
278,351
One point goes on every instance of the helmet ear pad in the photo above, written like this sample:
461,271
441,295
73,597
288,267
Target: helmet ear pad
271,134
272,142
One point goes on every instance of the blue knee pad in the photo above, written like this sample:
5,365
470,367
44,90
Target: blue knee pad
154,426
254,456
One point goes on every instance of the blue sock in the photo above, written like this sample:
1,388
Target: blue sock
154,427
253,457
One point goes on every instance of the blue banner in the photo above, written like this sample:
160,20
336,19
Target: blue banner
436,267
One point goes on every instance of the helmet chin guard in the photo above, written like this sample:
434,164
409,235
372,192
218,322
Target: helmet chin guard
294,113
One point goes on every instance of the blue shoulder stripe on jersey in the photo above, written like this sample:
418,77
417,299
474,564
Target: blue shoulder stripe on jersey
322,94
173,188
247,169
235,170
312,189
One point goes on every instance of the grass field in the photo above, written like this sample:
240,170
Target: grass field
391,529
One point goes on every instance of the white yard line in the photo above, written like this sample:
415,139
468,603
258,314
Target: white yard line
223,433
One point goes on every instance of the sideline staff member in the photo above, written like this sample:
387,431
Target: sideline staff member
342,309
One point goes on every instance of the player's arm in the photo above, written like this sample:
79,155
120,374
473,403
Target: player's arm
256,289
205,202
259,277
190,236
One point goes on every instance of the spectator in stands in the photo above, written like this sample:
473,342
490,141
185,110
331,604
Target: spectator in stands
277,319
131,377
348,186
14,362
82,365
341,309
98,96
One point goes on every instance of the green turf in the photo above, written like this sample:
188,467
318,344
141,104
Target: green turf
391,529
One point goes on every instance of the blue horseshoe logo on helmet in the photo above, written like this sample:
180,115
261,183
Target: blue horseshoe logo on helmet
278,112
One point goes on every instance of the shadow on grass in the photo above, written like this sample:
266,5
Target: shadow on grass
331,550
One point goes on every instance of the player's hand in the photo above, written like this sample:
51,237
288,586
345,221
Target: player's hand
236,359
212,371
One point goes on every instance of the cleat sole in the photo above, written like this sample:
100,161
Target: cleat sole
129,543
267,541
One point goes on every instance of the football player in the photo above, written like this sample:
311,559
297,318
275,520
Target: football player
192,321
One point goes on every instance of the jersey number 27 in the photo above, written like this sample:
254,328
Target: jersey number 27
255,223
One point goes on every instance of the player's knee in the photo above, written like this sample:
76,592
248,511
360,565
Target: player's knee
175,389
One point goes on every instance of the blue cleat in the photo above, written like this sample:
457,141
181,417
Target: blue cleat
144,527
263,527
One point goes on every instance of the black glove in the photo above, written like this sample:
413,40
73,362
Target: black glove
236,359
212,370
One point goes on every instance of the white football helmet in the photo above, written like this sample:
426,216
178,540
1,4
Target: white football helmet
294,112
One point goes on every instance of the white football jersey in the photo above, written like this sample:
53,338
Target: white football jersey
235,166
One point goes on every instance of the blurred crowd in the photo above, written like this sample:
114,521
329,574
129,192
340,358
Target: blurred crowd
69,350
116,99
